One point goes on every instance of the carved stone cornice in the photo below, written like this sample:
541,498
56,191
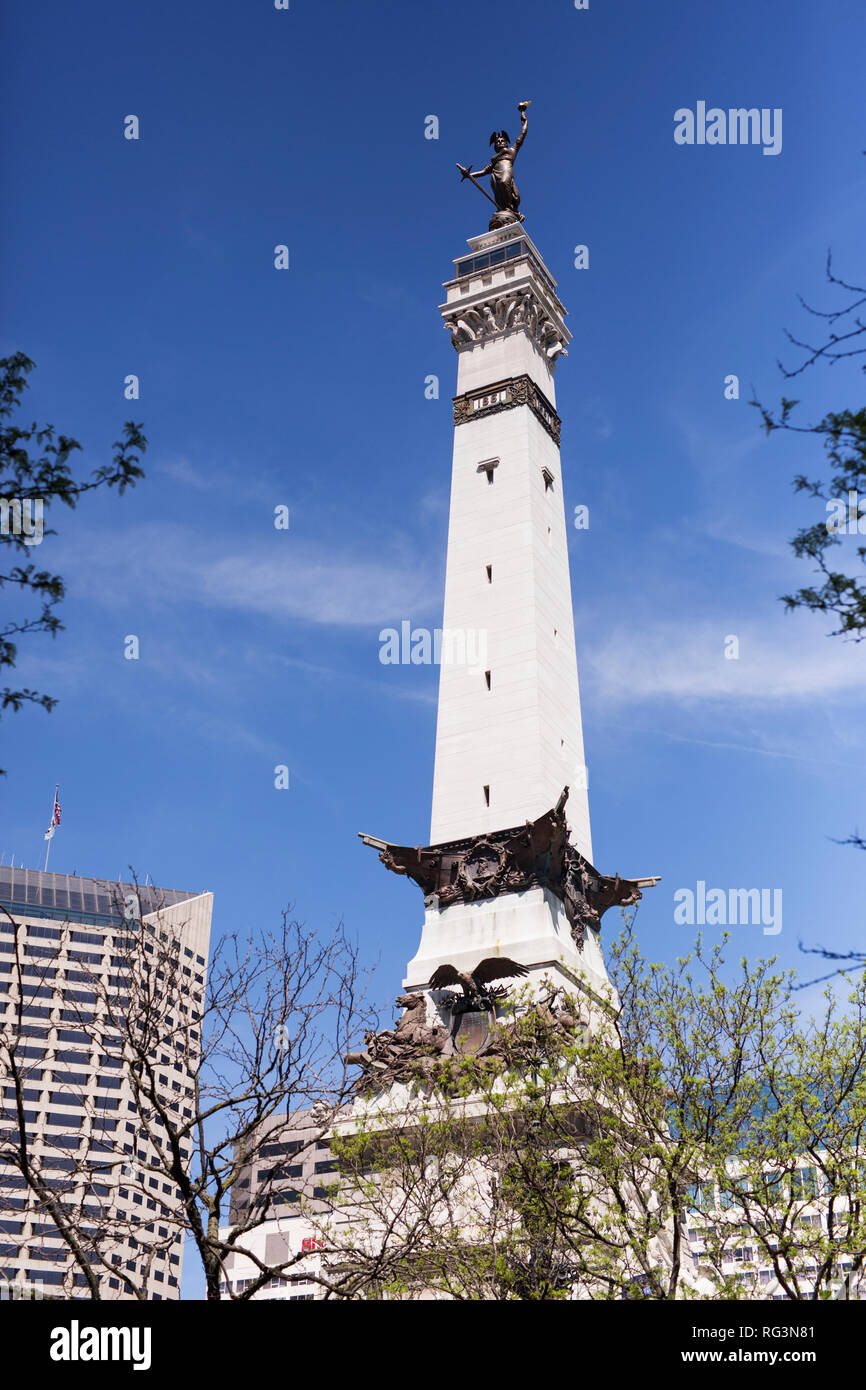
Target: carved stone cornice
505,395
507,312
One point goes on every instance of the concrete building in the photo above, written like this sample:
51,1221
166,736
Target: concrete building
719,1242
74,937
293,1162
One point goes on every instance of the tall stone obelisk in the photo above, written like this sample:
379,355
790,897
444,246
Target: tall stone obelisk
509,734
506,876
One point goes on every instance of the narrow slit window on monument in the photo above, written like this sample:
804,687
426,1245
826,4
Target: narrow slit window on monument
487,467
487,678
489,574
486,796
548,479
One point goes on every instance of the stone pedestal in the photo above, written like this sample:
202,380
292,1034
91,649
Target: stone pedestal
530,928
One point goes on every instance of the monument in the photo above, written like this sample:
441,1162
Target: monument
510,891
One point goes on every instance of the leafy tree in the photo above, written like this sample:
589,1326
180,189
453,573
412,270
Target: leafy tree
34,472
843,436
795,1188
579,1167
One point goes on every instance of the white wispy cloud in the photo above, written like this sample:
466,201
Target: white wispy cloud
733,746
393,689
180,470
279,576
683,660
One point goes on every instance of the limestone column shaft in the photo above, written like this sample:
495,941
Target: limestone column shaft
509,732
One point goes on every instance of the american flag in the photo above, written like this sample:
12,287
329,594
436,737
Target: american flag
55,817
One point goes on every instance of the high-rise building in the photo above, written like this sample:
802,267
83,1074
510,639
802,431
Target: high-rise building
72,951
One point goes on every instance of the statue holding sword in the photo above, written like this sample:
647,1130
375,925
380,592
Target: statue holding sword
501,170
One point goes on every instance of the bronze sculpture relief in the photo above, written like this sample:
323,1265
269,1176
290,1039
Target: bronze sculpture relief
537,854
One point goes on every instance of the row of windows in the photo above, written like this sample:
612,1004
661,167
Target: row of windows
489,466
80,1059
765,1276
291,1146
85,939
802,1183
57,991
490,260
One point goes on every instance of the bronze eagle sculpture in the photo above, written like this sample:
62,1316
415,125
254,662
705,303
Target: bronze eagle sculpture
476,985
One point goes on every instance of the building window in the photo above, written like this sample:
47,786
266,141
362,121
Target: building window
489,574
487,678
488,467
548,479
486,796
807,1181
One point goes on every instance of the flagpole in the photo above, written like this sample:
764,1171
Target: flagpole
50,837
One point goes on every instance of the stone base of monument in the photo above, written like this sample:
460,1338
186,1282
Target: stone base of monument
529,927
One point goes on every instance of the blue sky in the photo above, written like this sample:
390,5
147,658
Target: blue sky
306,388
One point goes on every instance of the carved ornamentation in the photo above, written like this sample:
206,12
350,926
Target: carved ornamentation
505,395
538,854
506,314
414,1052
405,1053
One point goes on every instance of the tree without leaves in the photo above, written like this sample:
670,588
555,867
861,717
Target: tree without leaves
38,478
198,1081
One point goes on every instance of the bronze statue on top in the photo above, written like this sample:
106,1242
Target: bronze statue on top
501,170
